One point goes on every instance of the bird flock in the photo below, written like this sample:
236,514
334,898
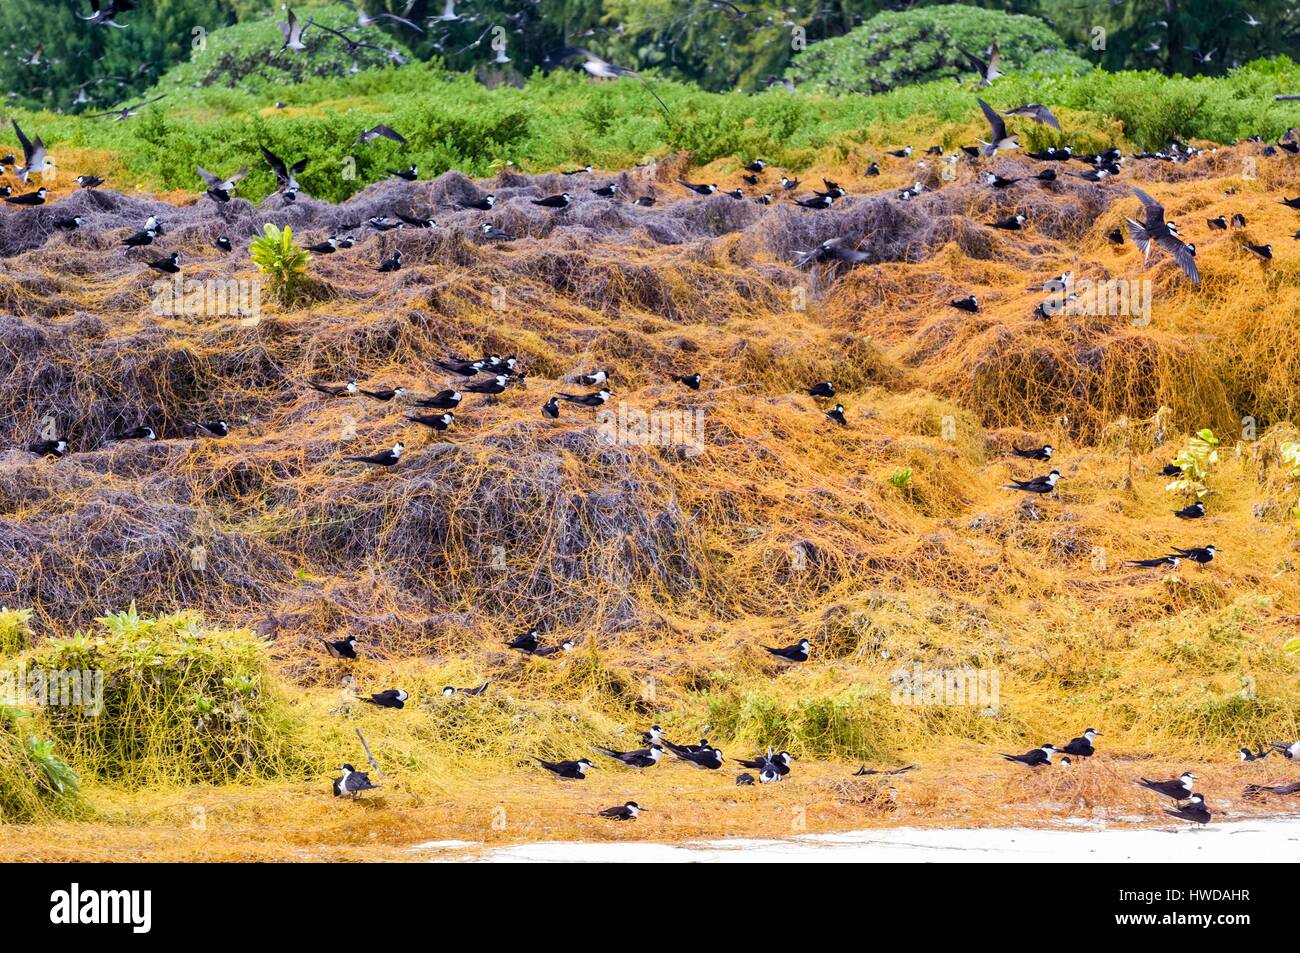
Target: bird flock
491,375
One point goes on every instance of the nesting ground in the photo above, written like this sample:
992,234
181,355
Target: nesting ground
671,565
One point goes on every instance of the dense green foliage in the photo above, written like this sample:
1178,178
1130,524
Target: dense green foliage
926,44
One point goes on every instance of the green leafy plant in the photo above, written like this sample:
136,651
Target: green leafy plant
1197,459
15,630
901,479
282,260
61,777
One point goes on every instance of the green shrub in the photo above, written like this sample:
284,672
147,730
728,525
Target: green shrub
34,782
924,44
15,630
180,703
282,260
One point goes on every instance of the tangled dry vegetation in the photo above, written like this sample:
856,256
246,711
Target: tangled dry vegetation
669,567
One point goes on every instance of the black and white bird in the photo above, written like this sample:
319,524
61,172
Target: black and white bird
1035,111
593,65
1193,512
102,14
436,422
390,698
594,379
213,429
1201,555
551,409
1042,484
170,265
385,458
327,247
653,736
758,165
597,399
585,170
995,181
1289,750
1261,251
779,762
1195,810
69,224
135,433
1013,223
823,389
223,242
1034,453
285,175
903,153
1255,791
999,140
987,71
1035,758
416,222
690,380
383,394
606,191
409,174
1154,229
528,642
496,385
334,390
710,758
698,189
569,770
1179,789
558,202
792,653
343,648
49,448
89,181
1219,223
353,782
392,263
377,132
641,758
35,158
788,184
1158,562
626,812
443,400
834,249
449,690
970,304
1082,746
817,202
219,189
836,415
1245,754
864,771
28,199
292,33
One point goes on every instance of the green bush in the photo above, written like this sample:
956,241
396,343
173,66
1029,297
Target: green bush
282,260
922,45
34,782
180,703
15,630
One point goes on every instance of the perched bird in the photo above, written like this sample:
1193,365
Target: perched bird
1156,563
1013,223
792,653
215,429
780,763
135,433
437,422
758,165
392,263
873,169
343,648
1220,223
1256,791
652,736
993,180
606,191
551,409
1263,251
409,174
644,201
223,242
443,400
89,181
170,265
1034,453
969,304
698,189
788,184
1042,484
1193,512
467,691
528,642
558,202
385,458
816,202
902,153
690,380
353,782
493,234
496,385
69,224
587,400
1195,810
642,758
1288,750
334,390
1202,555
1082,746
824,389
417,222
49,448
1247,755
1179,789
327,247
569,770
864,771
710,758
627,812
585,170
594,378
384,394
28,198
1155,229
744,779
391,698
1035,758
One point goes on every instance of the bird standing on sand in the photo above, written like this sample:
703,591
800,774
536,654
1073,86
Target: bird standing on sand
353,782
1195,810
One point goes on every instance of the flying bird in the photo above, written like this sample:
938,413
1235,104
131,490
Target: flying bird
219,189
603,69
1035,111
285,175
1155,229
999,140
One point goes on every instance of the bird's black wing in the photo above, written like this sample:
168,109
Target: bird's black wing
997,125
276,163
1153,210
